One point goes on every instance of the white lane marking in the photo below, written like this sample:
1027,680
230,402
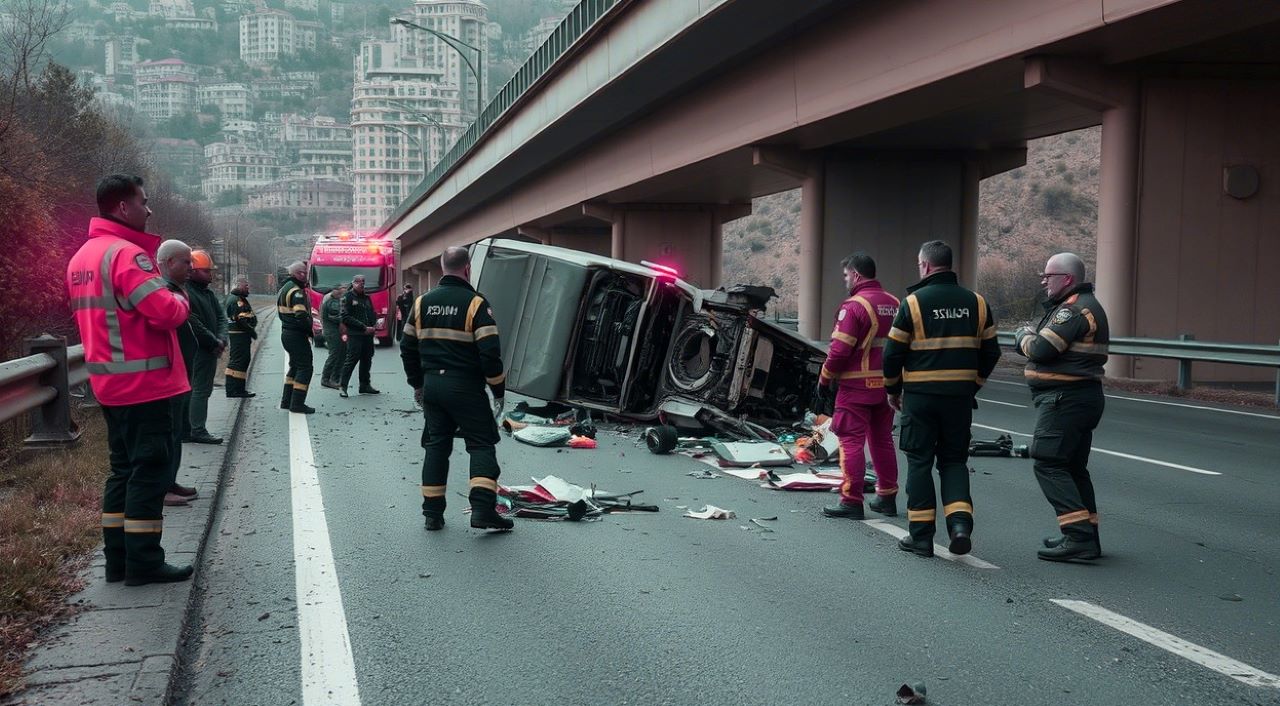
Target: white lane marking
328,669
1163,402
1119,454
1203,656
939,550
1196,406
1006,404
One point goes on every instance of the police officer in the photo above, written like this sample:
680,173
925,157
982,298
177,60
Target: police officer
450,352
940,351
242,326
854,367
1065,357
361,322
404,303
294,307
331,325
207,310
127,315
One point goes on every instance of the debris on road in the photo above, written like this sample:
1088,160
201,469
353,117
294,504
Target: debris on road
909,694
741,454
1001,446
553,498
543,436
711,512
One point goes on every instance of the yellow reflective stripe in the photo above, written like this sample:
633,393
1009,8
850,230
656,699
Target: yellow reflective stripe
1054,339
1070,517
1081,347
1061,377
892,381
844,338
485,332
921,515
288,381
245,316
859,374
433,491
471,312
1093,518
239,375
300,387
409,330
143,526
940,375
283,309
299,307
445,334
871,335
1093,325
988,332
917,321
959,506
982,313
899,335
486,483
946,342
113,519
497,380
981,381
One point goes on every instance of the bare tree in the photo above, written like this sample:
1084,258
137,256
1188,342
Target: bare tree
24,40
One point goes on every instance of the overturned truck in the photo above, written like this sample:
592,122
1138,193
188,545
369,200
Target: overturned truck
638,342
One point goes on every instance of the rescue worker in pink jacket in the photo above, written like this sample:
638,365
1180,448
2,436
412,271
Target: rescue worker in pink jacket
127,316
854,369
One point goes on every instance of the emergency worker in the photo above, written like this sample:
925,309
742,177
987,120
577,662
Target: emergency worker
1065,358
361,322
404,303
855,369
207,309
331,325
173,260
242,324
450,351
127,315
940,351
293,305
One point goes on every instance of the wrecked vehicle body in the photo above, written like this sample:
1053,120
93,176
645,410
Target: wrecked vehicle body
638,342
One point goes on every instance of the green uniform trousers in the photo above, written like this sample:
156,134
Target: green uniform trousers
359,352
237,372
204,368
456,404
337,354
1065,420
934,430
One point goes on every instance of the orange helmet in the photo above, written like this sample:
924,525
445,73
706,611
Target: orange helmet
200,260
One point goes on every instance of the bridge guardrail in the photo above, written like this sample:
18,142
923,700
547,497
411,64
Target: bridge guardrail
39,384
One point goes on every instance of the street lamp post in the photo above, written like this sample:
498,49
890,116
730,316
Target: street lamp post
457,45
417,141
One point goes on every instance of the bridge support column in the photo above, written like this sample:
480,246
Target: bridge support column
809,298
1117,224
684,236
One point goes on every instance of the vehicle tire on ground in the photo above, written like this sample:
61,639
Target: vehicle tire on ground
661,439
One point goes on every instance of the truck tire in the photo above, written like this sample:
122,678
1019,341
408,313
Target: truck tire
661,439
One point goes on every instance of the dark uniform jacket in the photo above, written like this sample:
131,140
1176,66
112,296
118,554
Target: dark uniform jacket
357,313
240,316
1069,347
206,311
294,307
404,303
192,336
943,340
330,312
451,328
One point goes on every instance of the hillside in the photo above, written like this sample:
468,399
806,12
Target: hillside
1025,215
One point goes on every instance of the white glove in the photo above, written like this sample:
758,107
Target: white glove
498,405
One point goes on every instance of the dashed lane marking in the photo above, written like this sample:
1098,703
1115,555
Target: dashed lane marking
1203,656
1006,404
1163,402
938,550
328,669
1119,454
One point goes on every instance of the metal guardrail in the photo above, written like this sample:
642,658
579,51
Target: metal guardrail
569,31
1187,350
39,384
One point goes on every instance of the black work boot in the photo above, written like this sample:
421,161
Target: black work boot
165,573
331,384
852,512
288,396
299,403
961,538
483,513
342,391
369,390
434,522
921,547
1070,549
886,505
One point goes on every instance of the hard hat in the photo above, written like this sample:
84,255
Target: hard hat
200,260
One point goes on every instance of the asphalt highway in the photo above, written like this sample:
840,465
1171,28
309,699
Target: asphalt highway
320,585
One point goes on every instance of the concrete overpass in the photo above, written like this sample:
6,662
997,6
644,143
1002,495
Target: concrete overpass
643,125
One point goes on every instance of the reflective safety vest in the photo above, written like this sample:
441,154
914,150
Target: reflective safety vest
854,359
127,316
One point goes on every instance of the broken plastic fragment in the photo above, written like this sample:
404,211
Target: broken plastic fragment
711,512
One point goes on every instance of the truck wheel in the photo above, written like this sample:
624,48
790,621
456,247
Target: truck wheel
661,439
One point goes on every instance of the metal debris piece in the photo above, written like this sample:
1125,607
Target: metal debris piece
911,694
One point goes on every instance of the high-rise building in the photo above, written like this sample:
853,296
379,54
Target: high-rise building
464,19
405,114
266,35
230,166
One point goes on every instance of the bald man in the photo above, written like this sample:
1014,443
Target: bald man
293,304
1065,354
